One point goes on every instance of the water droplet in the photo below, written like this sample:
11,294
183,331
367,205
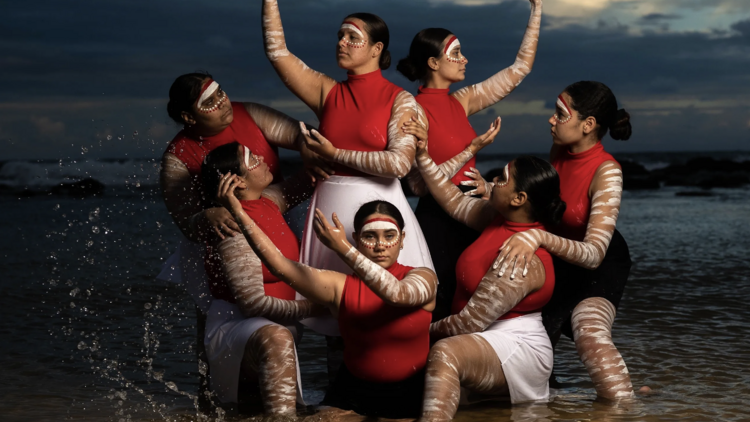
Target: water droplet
172,386
72,304
82,345
74,292
56,207
95,229
109,137
147,305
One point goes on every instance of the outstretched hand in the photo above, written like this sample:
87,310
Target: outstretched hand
482,187
516,253
317,143
333,237
486,138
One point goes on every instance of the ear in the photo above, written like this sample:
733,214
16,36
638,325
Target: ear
519,199
377,48
403,236
589,125
355,236
187,118
433,63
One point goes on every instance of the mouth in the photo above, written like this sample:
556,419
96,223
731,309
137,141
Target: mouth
380,258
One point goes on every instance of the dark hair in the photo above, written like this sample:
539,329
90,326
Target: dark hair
541,183
380,207
221,160
184,91
596,99
377,30
425,44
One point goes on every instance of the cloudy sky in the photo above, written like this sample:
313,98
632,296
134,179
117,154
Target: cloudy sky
90,78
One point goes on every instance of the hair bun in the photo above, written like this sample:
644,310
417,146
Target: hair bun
406,67
621,129
555,211
385,60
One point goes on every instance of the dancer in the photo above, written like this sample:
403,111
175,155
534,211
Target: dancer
594,261
250,325
435,59
494,343
383,308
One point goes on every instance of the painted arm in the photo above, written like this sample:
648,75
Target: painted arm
494,297
605,208
242,268
310,86
289,193
479,96
320,286
473,212
418,288
279,129
398,156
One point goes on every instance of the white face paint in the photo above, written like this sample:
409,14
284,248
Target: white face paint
506,173
354,28
452,44
207,93
564,110
379,224
251,161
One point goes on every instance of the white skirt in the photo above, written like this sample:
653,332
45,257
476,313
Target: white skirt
227,332
524,349
344,195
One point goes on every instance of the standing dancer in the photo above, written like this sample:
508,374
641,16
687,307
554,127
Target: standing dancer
594,261
494,343
250,326
435,59
363,118
383,308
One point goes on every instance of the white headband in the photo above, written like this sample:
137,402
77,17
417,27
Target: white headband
208,92
452,45
379,224
353,27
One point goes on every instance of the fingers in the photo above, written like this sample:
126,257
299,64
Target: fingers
311,174
303,129
469,182
525,266
471,193
232,227
513,270
219,233
336,222
320,172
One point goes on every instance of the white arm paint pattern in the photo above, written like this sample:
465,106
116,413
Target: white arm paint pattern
180,196
279,129
484,94
592,331
416,289
398,156
473,212
449,169
242,269
494,297
605,208
271,355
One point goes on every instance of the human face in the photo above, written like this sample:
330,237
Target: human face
253,169
451,65
567,129
380,239
212,112
503,189
354,48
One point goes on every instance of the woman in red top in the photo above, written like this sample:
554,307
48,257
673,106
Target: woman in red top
250,326
435,59
384,308
495,342
211,120
594,261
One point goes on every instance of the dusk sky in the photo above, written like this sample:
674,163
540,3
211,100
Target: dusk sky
90,78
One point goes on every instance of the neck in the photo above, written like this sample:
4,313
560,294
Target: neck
519,216
365,68
247,194
584,145
197,132
437,82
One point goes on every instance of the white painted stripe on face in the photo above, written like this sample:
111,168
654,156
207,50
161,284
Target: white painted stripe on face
350,26
452,45
208,92
379,225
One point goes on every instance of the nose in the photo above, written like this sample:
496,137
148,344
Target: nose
552,120
466,61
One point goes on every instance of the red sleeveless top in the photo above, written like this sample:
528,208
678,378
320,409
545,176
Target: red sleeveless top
243,129
382,343
267,216
356,115
576,174
478,257
450,131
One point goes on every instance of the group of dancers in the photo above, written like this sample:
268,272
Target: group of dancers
464,299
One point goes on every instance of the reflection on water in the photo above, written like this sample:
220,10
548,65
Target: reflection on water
89,334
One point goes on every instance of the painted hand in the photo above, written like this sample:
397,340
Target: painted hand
317,143
483,187
517,250
333,237
218,220
315,166
416,128
486,138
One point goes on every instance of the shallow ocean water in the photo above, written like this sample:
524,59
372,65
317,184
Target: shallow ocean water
90,335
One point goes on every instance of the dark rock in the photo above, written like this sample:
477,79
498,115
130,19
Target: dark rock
636,177
706,172
80,189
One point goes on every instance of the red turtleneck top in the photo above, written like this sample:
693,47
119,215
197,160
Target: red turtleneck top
382,343
450,131
477,259
356,115
243,129
576,174
267,216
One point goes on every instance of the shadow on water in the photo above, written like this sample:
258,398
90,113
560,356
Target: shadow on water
90,335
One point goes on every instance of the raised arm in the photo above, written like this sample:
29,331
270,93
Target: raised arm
473,212
183,203
418,288
320,286
479,96
289,193
310,86
494,297
606,188
242,268
398,156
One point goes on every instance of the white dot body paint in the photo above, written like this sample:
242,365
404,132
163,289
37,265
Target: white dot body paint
208,91
250,165
566,114
353,27
449,47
